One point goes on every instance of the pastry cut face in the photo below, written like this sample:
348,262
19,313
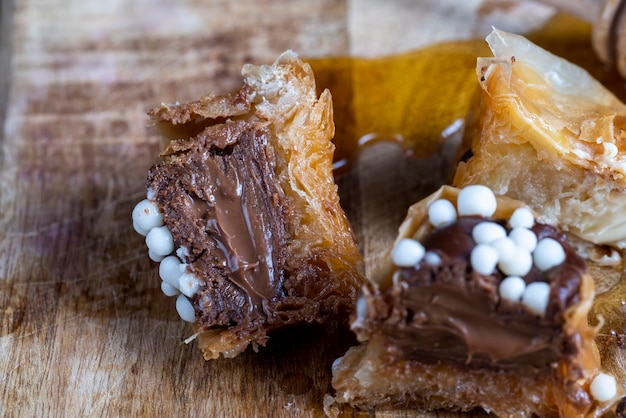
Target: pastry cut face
549,134
477,305
242,211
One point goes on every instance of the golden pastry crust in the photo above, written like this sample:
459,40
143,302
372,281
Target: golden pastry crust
317,270
550,135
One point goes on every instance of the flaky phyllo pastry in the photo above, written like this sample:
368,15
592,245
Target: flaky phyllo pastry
552,136
243,214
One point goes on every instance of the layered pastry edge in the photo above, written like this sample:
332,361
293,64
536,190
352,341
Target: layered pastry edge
546,132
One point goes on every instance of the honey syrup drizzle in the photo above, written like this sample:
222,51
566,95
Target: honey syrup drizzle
414,99
409,99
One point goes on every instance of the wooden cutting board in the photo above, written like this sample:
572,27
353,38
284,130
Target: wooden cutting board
84,327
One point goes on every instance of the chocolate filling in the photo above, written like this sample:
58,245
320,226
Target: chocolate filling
450,312
222,203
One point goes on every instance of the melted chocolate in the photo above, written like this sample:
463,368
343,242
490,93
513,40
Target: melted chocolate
223,206
450,312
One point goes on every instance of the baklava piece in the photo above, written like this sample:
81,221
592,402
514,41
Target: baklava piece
479,305
243,214
547,133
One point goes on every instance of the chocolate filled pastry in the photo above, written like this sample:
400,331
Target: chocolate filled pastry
547,133
478,305
243,214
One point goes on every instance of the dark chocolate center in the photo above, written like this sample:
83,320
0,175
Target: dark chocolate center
223,206
449,311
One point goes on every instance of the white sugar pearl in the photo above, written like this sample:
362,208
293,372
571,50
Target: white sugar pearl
441,212
185,309
155,257
484,259
146,216
536,296
138,229
432,258
518,265
407,253
512,288
168,289
188,284
170,270
524,237
603,387
160,241
476,200
336,363
505,247
549,253
522,218
182,252
486,232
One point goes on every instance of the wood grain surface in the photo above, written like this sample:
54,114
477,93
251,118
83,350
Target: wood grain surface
84,327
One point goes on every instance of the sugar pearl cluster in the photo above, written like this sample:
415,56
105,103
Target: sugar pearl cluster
176,280
513,253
